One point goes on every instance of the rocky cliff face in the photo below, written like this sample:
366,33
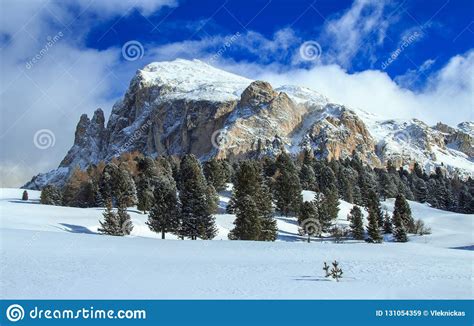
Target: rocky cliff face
189,107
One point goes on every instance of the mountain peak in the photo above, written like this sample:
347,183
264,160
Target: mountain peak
194,80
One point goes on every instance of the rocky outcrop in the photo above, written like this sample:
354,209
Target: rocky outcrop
461,139
179,107
89,139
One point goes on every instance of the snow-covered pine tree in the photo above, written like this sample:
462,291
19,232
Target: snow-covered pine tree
420,190
308,220
24,196
399,231
387,223
124,221
308,178
287,186
164,214
332,202
373,205
403,212
107,181
249,181
144,194
124,188
357,225
247,222
50,195
387,186
268,224
197,220
321,204
110,225
147,174
373,230
216,174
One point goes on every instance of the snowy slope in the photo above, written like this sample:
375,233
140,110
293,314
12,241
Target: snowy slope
194,80
413,140
53,252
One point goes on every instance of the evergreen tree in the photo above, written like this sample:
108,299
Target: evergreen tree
147,174
388,188
107,181
308,178
247,223
249,182
373,231
124,222
320,202
196,217
144,194
402,212
373,206
268,224
164,214
332,202
420,190
387,223
287,186
308,220
110,225
216,174
357,225
50,195
24,196
124,188
399,231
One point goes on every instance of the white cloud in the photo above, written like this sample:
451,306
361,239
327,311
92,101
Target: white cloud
448,96
65,80
360,29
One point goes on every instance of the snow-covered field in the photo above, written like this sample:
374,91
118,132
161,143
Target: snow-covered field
50,252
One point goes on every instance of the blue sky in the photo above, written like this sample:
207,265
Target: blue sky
446,26
59,59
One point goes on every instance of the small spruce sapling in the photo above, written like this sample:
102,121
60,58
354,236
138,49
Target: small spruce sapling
326,270
25,195
336,272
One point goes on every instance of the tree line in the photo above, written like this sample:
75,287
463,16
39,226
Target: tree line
180,194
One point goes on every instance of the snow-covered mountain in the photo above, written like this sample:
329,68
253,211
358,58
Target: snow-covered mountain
190,107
